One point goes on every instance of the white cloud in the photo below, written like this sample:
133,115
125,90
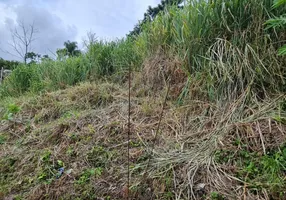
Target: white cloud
61,20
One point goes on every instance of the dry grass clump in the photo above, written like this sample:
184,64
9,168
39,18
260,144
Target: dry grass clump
163,69
86,138
85,96
90,140
198,137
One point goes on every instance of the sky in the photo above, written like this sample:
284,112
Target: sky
57,21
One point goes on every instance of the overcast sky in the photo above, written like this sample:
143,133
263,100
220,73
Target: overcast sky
60,20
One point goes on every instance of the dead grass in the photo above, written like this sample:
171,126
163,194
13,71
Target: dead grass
83,127
163,69
84,130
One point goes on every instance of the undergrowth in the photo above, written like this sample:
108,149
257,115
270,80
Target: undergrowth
222,135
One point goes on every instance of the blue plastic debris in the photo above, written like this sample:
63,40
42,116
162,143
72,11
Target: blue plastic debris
60,173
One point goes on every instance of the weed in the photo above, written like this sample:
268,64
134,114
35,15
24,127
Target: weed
2,139
46,172
46,156
98,156
88,174
60,163
216,196
71,152
259,171
135,144
223,66
11,110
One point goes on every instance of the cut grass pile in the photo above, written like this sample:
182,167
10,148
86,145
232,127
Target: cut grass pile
222,135
203,150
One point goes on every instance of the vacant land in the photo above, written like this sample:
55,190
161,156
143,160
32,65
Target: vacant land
208,112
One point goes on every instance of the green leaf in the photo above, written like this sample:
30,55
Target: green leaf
278,3
10,116
60,163
276,22
92,172
2,139
282,50
13,108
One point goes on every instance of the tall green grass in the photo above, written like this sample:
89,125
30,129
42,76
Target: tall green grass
112,57
49,75
223,42
102,59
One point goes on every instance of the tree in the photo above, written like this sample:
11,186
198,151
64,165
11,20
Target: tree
46,58
32,57
8,64
22,38
62,53
151,14
70,50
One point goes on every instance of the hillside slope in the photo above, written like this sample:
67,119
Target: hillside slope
214,73
217,149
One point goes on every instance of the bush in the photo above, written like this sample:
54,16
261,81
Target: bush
108,58
222,42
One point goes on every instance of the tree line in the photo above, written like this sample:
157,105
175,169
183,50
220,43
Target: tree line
151,14
24,35
22,38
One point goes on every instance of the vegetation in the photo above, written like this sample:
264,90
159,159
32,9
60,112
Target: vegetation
278,22
22,39
70,50
6,64
151,14
222,135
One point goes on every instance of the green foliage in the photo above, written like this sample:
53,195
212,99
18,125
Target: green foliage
216,41
11,110
101,55
46,156
19,81
32,57
258,171
108,58
151,13
282,50
62,53
216,196
278,3
99,156
70,50
278,22
60,163
45,58
7,64
222,42
2,139
48,75
47,171
101,59
88,174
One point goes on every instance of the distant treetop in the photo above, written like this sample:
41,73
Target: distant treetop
151,13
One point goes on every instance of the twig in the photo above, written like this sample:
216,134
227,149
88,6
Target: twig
157,131
129,127
261,138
